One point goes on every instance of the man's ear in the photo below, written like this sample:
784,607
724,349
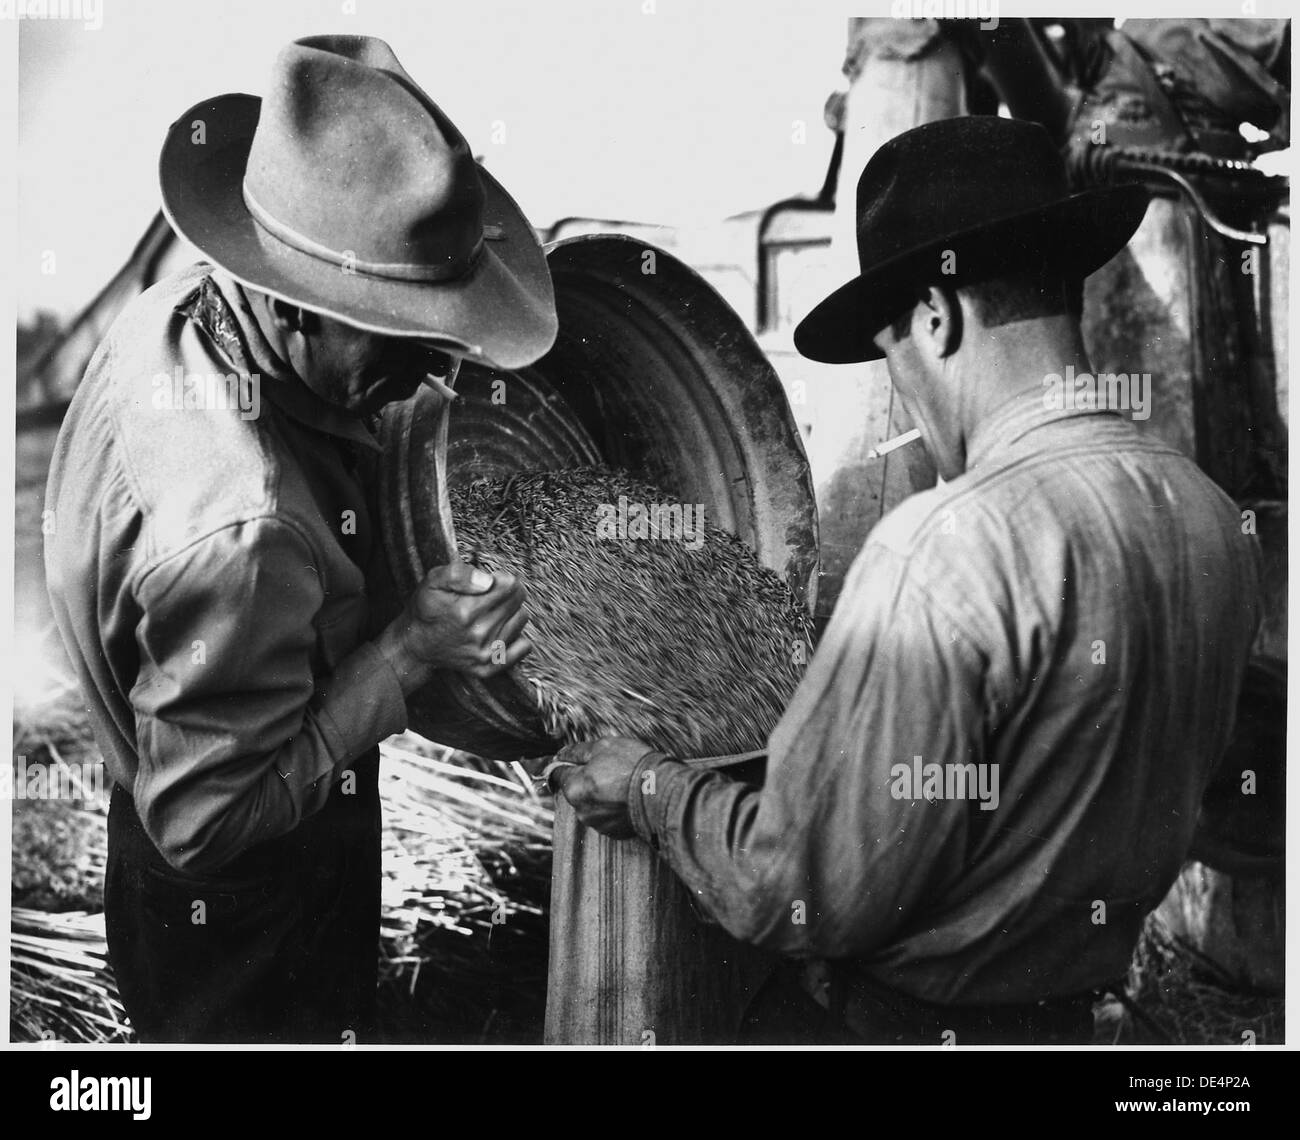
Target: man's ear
288,317
941,319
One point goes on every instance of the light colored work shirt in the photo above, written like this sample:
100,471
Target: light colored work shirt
208,570
1062,631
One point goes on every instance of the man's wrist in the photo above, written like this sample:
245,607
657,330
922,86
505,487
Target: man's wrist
359,704
643,790
411,672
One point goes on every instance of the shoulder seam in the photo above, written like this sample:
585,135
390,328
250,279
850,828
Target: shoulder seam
137,579
909,580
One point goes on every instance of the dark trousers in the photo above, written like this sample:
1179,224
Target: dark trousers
280,946
856,1010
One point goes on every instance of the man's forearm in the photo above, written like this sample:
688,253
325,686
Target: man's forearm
239,794
703,824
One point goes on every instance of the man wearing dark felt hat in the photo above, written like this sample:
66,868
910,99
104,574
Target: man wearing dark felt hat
993,768
213,538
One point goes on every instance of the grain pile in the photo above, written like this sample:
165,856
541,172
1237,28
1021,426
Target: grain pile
671,632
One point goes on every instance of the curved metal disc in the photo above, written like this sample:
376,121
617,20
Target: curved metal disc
651,371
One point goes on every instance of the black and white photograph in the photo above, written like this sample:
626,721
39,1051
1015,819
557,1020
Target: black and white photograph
648,524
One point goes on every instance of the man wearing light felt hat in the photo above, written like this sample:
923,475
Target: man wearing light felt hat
993,767
208,564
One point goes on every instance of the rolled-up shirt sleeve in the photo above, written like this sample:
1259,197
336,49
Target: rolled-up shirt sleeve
833,855
237,739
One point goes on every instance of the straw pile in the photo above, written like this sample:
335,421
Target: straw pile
62,985
1175,995
679,636
463,932
467,875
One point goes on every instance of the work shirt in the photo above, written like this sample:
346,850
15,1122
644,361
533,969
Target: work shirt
207,567
1071,617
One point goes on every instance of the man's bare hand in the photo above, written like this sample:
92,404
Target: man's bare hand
460,617
598,784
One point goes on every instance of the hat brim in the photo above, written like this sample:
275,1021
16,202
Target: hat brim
1076,235
501,312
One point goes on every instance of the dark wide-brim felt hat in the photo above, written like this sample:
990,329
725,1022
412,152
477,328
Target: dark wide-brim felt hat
962,200
347,191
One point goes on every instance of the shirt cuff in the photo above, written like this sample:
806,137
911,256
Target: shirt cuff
645,809
360,703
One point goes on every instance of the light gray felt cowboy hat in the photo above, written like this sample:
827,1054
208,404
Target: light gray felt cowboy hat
348,192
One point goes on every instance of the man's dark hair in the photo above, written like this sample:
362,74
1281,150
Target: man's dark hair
1018,296
1021,297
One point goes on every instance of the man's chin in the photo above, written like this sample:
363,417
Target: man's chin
380,395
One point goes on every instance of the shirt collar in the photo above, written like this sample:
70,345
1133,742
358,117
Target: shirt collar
222,310
1018,417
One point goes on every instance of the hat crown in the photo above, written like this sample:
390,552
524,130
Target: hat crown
352,162
950,177
992,192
